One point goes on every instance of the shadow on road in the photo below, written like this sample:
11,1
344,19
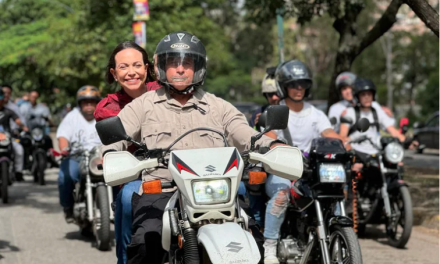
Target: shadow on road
377,233
31,195
76,235
6,246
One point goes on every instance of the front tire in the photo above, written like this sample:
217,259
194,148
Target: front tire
401,205
4,168
101,223
41,167
344,246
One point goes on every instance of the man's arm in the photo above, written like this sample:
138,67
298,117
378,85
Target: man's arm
63,143
21,125
395,133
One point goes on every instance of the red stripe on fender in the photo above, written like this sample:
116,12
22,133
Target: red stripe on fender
234,164
181,167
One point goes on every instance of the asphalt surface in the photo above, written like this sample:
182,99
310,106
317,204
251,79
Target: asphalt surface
428,159
33,230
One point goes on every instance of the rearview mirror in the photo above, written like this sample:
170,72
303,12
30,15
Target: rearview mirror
262,119
333,121
111,130
418,125
362,125
277,117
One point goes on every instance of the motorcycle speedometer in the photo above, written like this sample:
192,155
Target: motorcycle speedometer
394,152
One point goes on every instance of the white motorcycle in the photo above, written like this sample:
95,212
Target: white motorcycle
202,222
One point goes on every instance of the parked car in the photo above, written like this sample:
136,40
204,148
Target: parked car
427,133
247,108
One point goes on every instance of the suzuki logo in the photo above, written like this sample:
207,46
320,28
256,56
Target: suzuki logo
234,247
210,168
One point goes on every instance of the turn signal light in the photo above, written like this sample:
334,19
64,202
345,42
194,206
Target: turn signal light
257,177
152,186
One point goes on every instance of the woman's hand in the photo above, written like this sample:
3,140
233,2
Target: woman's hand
2,136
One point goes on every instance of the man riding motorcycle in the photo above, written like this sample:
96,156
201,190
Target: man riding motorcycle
365,93
158,118
293,82
77,127
269,91
344,84
18,148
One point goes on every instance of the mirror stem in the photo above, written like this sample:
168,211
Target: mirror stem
257,137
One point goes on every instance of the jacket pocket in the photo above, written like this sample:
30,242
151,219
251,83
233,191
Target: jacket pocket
209,139
157,135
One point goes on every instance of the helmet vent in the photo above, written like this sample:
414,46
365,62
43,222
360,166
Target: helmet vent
180,36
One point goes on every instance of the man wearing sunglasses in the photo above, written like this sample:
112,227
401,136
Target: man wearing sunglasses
293,82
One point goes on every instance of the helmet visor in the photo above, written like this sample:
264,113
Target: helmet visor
305,84
181,69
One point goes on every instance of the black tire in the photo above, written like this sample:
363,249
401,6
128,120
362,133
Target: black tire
41,167
4,168
344,237
101,223
401,200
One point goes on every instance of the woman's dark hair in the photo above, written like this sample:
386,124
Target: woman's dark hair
129,45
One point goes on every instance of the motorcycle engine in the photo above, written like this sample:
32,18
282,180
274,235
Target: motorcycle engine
289,251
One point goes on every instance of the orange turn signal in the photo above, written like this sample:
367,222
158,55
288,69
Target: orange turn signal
152,186
180,241
257,177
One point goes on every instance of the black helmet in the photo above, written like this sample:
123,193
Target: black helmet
291,71
345,79
361,85
175,47
87,92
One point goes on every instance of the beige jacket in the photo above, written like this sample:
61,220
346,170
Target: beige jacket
157,119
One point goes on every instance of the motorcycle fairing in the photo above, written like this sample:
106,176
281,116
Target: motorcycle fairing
228,243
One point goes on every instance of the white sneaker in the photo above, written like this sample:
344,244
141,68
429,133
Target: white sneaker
270,251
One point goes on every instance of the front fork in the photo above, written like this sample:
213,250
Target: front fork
384,189
89,192
322,235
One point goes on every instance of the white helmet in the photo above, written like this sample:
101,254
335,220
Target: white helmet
268,85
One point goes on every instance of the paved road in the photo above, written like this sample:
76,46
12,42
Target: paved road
32,230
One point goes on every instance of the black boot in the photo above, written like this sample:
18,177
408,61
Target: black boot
68,214
19,177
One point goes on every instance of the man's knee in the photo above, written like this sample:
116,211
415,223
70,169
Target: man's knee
280,202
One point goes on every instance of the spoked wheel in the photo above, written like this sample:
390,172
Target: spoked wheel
4,169
400,226
344,246
101,222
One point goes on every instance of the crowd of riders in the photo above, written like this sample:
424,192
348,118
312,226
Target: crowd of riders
159,99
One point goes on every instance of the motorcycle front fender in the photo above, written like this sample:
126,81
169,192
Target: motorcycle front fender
342,221
228,243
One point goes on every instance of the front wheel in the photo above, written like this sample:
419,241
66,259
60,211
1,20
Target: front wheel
101,223
4,169
344,246
400,226
41,167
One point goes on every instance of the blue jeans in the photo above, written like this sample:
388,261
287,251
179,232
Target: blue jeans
123,219
68,175
277,189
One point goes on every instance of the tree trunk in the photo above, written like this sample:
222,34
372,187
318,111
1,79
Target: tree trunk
426,13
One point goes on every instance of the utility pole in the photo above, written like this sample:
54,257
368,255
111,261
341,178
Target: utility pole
280,12
387,47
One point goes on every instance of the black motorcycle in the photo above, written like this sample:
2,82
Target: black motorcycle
92,208
35,152
6,166
381,196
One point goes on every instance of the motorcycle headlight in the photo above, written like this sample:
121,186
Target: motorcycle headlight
394,152
5,143
332,173
211,191
93,166
37,134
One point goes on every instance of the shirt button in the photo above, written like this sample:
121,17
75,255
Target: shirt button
184,127
155,130
186,144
